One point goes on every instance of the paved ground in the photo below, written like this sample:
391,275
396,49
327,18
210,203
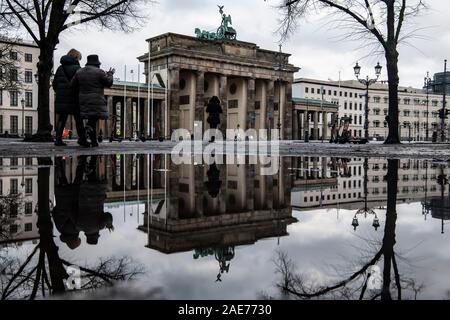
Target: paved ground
14,147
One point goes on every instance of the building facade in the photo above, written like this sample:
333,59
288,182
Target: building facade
18,106
418,111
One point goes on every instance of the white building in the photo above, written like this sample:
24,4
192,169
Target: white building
18,180
347,95
18,108
350,96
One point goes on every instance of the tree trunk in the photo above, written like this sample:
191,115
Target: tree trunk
389,227
45,225
44,67
393,79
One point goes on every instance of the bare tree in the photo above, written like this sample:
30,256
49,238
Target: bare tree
43,271
45,20
10,74
355,285
382,21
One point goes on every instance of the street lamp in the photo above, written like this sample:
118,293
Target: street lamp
366,210
367,82
427,83
23,116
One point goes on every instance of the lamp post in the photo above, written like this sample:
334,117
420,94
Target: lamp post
367,82
23,116
366,210
443,112
427,82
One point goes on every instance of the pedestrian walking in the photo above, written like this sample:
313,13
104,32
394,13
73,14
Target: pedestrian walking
66,98
90,82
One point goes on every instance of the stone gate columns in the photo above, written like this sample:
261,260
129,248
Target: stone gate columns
251,95
146,124
316,125
174,85
129,118
110,106
295,124
223,87
289,113
199,97
270,106
325,125
306,123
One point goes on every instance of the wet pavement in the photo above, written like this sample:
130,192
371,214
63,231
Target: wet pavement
147,226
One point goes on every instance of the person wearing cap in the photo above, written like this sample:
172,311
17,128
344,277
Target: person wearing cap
90,82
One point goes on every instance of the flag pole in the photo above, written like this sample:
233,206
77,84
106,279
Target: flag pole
124,116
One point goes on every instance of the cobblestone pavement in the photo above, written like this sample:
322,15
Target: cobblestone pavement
441,152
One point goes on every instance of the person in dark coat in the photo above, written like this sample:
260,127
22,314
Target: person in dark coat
90,83
66,98
214,110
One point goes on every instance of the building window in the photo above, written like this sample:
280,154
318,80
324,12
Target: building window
351,94
407,101
345,105
28,161
329,92
312,90
376,99
29,99
14,124
13,55
14,74
1,123
360,107
335,93
385,100
29,125
350,105
185,99
1,97
406,113
233,104
28,227
28,57
14,98
28,185
14,162
28,76
13,186
345,94
28,208
13,228
434,103
306,89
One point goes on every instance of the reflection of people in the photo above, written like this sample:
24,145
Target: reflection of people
65,211
213,184
214,110
79,205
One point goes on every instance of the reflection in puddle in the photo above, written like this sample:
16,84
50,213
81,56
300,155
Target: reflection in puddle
352,228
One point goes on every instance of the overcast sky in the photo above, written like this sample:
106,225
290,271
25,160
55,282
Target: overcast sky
314,46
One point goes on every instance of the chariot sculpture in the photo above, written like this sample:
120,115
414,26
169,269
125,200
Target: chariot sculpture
224,32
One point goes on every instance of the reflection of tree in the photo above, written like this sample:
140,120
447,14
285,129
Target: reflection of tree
356,284
44,270
9,207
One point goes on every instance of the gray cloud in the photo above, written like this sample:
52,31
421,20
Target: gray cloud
314,46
